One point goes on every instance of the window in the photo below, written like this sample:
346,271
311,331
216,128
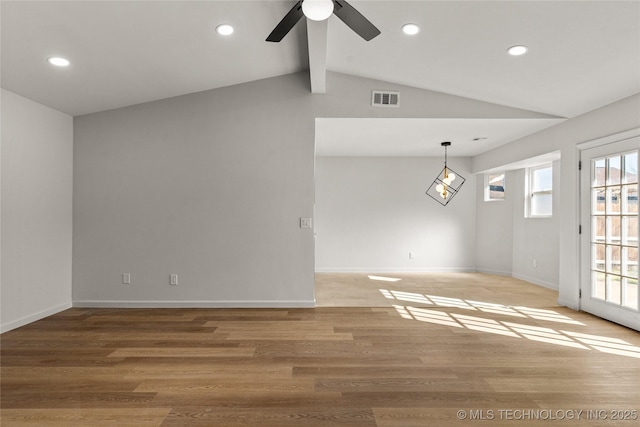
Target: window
494,186
540,191
614,229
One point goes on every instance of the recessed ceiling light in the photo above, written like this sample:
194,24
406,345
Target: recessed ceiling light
58,62
517,50
224,29
410,29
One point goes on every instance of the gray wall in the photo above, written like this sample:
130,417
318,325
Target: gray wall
211,186
494,229
536,238
36,219
618,117
508,243
372,211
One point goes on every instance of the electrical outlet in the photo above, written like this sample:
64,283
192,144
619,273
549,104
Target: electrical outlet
535,263
126,278
411,255
174,280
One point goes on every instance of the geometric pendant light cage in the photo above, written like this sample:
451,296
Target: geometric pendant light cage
447,183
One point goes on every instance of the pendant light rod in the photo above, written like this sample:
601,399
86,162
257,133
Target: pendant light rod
445,144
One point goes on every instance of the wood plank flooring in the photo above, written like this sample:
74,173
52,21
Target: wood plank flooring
423,350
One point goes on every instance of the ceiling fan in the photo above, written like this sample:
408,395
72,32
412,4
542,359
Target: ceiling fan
319,10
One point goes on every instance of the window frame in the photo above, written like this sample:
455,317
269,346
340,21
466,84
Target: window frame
487,187
530,193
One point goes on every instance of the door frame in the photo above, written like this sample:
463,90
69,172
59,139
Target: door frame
633,320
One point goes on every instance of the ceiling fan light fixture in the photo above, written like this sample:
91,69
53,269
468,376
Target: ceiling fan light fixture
224,29
410,29
317,10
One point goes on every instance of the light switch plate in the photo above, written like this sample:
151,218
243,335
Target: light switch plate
306,223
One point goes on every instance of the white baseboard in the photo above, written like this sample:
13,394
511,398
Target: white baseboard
194,304
535,281
33,317
395,270
494,272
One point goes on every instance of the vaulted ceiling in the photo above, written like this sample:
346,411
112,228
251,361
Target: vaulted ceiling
582,54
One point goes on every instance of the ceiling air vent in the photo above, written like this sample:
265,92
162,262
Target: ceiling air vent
385,99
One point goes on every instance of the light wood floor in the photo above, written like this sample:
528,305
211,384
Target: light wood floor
365,290
425,350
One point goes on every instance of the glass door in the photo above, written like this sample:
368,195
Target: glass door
609,193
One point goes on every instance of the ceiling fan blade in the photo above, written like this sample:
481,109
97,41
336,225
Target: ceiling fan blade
287,23
355,20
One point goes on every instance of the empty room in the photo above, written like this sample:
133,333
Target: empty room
319,213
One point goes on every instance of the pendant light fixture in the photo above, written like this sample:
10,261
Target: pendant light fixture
447,183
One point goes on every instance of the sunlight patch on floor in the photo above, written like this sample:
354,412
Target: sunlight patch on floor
424,315
511,329
384,279
484,325
548,335
606,344
487,307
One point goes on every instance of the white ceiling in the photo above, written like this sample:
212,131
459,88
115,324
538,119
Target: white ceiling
420,137
130,52
583,54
